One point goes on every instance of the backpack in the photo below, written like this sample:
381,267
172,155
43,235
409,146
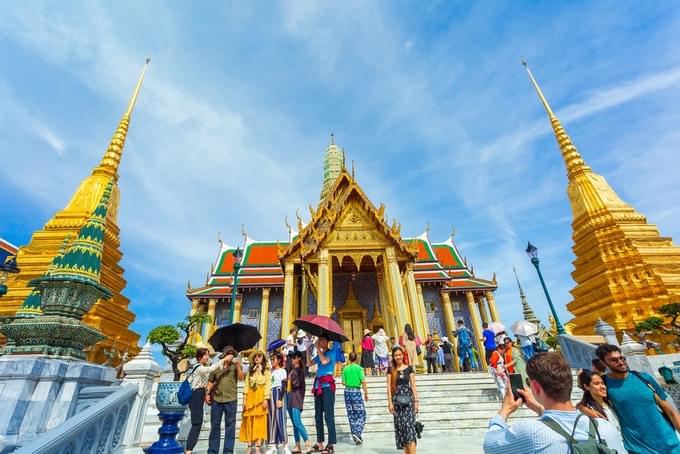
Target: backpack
591,446
184,392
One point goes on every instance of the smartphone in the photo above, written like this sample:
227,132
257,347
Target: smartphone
516,383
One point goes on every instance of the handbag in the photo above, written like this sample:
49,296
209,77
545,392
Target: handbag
402,400
184,392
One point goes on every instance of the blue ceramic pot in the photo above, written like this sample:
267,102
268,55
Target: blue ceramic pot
166,397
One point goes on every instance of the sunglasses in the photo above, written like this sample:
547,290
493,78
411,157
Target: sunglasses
618,359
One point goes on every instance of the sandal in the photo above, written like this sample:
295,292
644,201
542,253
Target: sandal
318,447
329,449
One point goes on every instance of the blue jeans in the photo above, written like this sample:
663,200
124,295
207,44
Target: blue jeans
298,428
217,409
324,410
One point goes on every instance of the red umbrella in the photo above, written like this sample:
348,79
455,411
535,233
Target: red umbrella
318,325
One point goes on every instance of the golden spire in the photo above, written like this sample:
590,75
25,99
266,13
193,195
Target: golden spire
572,158
111,160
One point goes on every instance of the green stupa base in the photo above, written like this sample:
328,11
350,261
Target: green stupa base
50,336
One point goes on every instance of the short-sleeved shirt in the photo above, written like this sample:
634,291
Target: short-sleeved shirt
352,376
326,369
644,428
278,377
489,339
227,383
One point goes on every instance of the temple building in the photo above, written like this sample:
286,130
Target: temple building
624,269
111,317
350,263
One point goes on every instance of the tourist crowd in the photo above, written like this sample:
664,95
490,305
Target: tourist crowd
621,411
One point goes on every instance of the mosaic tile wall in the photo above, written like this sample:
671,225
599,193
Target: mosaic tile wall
434,311
251,307
275,313
366,290
459,306
222,314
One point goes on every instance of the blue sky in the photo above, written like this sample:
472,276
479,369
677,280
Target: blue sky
428,98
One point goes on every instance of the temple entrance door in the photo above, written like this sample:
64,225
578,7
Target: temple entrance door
353,319
353,326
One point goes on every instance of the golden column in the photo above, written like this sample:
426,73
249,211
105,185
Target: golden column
417,308
492,306
482,309
287,312
237,309
476,327
386,304
304,294
423,309
212,305
264,317
396,288
450,326
324,301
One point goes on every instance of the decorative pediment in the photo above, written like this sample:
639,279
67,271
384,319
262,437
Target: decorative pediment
347,216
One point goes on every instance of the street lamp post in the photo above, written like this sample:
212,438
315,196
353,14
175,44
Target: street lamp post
10,266
532,252
234,287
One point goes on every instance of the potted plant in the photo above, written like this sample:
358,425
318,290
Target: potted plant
174,342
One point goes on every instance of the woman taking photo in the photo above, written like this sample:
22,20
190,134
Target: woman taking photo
402,401
277,410
295,397
198,379
257,391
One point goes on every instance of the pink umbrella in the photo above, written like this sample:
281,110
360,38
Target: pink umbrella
496,327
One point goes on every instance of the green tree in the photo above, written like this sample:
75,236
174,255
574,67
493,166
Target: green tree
173,339
656,324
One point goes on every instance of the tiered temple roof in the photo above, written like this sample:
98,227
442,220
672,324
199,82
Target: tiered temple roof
6,249
260,267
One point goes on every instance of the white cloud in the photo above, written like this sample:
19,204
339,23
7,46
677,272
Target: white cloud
50,138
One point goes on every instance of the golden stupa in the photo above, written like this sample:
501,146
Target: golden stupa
624,270
111,317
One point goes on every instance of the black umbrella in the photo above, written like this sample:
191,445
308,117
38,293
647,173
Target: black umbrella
240,336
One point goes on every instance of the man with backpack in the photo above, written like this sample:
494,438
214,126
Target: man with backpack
648,420
560,428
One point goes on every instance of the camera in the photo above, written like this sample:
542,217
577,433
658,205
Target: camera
419,429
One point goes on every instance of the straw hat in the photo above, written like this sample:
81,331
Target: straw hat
367,331
251,357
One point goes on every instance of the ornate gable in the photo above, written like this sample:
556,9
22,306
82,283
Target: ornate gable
347,217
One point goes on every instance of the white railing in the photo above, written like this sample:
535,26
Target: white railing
99,428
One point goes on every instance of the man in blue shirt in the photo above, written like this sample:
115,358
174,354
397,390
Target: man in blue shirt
464,335
489,341
644,428
550,398
324,394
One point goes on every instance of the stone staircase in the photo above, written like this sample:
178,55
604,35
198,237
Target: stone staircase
460,403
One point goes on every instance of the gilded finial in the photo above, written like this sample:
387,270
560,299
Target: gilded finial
299,220
219,238
538,89
572,158
493,279
289,227
189,285
111,160
352,169
332,141
244,233
381,211
453,232
312,211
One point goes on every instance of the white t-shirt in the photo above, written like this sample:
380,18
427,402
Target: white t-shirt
278,376
290,343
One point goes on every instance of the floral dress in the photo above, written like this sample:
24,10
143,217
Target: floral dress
404,417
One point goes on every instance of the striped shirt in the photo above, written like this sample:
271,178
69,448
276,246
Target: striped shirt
528,437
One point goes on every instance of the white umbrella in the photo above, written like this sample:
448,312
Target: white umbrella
524,328
496,327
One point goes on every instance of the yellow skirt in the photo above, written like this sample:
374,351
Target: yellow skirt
254,422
